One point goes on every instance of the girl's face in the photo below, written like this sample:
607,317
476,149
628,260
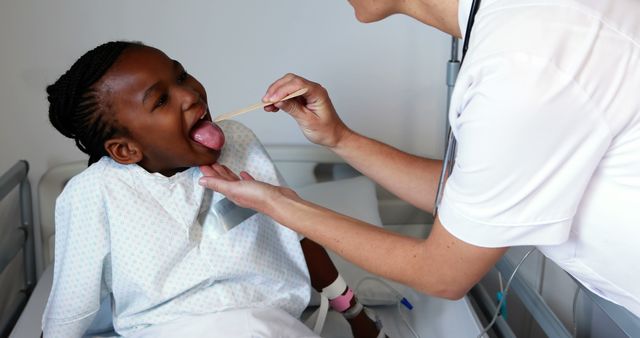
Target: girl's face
157,103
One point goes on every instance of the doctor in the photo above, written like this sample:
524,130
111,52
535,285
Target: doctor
547,118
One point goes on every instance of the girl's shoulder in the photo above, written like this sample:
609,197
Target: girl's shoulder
92,179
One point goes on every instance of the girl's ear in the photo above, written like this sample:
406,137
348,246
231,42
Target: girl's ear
123,150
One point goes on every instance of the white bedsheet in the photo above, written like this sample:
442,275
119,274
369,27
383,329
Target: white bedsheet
249,323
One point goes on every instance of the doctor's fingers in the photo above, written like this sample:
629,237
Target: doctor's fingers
291,83
217,184
225,172
219,171
297,108
246,176
284,86
246,193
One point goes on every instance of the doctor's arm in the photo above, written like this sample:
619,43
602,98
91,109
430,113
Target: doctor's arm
412,178
440,265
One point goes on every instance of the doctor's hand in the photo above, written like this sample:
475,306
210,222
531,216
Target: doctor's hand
243,190
313,111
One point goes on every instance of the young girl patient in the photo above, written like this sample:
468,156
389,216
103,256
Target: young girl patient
137,229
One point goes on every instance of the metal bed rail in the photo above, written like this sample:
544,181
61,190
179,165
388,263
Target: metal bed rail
623,318
18,238
628,323
533,301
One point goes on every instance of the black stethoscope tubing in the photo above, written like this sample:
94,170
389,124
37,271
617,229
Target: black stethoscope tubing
475,5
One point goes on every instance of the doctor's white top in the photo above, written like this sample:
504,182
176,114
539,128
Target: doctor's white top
153,245
546,111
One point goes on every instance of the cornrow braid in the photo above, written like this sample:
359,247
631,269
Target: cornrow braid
75,107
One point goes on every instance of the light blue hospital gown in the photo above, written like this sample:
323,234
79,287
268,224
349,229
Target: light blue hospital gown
147,240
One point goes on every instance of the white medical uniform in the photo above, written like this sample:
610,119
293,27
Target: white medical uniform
151,243
546,110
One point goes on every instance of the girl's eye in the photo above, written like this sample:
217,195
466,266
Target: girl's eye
161,101
183,76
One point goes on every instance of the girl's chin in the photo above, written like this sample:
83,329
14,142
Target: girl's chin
210,158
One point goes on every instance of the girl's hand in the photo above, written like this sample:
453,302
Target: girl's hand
313,111
243,190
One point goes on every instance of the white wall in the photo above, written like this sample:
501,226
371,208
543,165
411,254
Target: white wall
386,79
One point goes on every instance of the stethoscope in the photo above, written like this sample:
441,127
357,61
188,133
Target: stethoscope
449,154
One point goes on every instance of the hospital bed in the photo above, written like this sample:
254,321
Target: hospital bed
319,176
16,244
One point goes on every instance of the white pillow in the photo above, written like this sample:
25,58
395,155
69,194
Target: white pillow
354,197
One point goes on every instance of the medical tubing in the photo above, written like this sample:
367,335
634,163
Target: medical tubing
406,322
505,293
401,300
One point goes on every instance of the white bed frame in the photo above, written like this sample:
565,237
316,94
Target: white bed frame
300,165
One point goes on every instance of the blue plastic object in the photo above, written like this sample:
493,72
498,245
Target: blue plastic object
406,303
503,306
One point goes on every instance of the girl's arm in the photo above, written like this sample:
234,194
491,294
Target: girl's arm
323,273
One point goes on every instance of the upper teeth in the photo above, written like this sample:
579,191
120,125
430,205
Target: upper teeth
203,115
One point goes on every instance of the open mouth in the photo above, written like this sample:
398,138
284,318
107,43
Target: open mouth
207,133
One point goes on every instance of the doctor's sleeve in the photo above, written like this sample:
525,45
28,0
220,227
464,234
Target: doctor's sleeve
529,141
81,248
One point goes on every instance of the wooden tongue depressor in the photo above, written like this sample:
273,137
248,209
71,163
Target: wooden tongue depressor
257,106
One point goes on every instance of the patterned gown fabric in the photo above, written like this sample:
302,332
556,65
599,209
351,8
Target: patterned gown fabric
152,244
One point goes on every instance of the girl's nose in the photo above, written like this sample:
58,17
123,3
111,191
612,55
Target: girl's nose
188,97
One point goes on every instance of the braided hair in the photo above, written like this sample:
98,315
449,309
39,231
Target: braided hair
77,109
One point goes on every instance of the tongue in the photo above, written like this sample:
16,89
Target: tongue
208,134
